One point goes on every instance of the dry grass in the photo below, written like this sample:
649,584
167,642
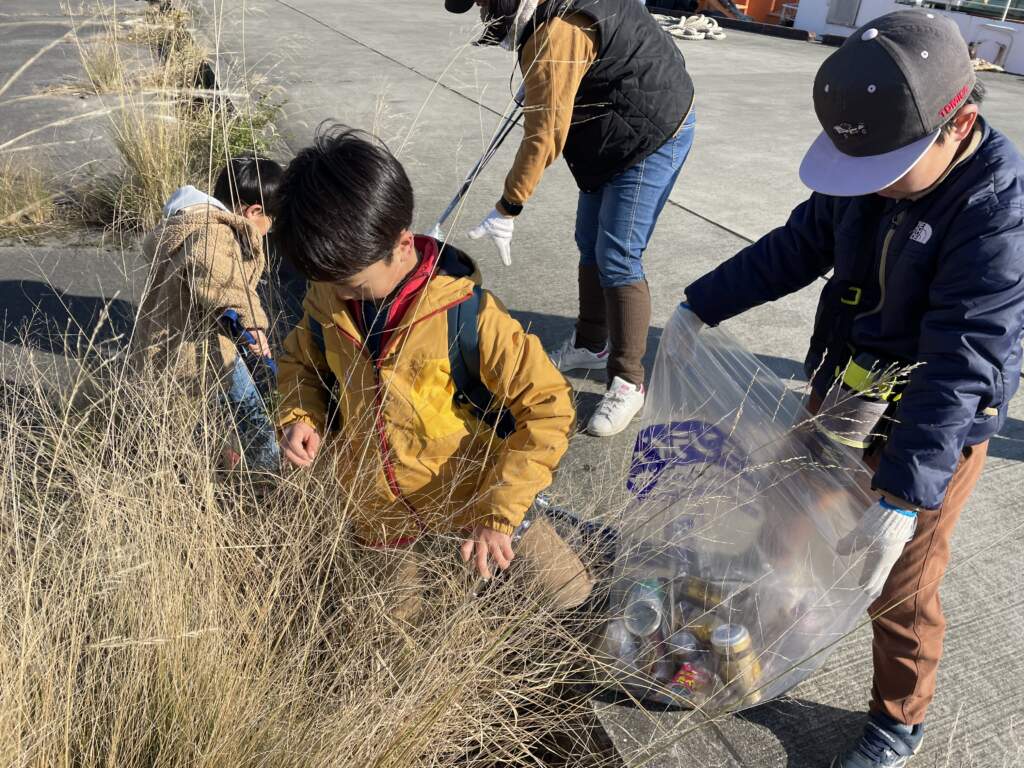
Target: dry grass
168,127
101,54
121,49
27,201
156,613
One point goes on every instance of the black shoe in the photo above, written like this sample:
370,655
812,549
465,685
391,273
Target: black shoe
885,743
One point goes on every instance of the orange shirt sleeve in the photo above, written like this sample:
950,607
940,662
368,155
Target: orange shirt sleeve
554,62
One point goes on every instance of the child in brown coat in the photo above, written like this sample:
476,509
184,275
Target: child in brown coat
201,314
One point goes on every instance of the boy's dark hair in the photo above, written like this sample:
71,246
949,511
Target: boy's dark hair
342,205
976,97
248,180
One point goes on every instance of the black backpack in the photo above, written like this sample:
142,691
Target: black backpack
464,360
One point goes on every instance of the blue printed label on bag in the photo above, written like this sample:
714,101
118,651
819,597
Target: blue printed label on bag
660,447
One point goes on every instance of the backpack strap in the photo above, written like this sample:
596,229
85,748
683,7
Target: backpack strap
464,359
316,330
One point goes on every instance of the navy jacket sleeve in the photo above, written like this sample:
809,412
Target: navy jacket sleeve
783,261
966,337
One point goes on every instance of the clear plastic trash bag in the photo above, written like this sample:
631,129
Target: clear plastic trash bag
729,589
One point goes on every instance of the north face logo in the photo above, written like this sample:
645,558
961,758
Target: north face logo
922,233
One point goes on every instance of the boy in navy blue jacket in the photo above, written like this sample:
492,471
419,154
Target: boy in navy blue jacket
918,211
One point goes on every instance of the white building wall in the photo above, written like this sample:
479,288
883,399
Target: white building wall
988,33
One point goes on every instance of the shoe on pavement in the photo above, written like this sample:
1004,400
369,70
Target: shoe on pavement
885,743
617,408
569,357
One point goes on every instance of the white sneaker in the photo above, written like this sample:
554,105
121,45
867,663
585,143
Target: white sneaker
569,357
617,408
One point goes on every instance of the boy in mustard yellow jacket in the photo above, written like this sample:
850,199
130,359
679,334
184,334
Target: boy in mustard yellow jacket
373,363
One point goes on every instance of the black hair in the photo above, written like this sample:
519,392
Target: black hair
342,205
976,97
248,180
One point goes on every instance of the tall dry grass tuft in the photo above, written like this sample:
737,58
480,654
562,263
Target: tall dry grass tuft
169,122
101,52
27,201
156,612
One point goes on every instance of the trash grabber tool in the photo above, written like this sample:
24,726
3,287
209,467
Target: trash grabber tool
499,137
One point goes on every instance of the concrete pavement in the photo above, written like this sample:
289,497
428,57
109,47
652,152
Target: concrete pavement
54,289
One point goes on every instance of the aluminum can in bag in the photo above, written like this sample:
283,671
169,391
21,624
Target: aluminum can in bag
693,682
655,658
683,646
701,592
645,607
622,649
703,625
738,665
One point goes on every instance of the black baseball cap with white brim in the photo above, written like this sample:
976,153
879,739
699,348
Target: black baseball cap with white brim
882,99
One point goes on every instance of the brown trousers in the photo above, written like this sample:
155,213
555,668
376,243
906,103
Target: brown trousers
558,572
907,618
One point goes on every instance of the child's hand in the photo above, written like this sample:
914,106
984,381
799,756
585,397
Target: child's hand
484,542
300,444
261,346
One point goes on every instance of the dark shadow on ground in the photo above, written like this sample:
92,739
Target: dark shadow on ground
810,733
1009,443
43,317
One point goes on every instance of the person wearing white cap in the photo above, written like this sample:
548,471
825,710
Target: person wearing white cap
918,213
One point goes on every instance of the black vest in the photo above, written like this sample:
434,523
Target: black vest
634,96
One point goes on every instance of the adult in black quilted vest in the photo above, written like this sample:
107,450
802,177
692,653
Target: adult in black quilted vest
608,89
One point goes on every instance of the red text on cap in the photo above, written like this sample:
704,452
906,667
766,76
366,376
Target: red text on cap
955,101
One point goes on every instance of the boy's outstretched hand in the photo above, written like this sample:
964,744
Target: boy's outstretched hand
487,542
300,444
259,345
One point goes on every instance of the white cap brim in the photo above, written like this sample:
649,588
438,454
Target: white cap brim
827,170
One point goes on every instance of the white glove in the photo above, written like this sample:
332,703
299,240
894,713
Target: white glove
879,538
499,229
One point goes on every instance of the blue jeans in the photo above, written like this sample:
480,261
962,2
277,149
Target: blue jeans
247,404
614,223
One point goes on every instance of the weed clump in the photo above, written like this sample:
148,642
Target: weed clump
156,612
170,124
27,202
